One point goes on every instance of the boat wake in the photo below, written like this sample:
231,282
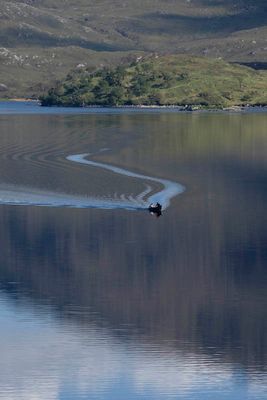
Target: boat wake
19,195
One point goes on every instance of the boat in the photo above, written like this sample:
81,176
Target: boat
155,209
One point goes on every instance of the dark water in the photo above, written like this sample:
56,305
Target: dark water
108,302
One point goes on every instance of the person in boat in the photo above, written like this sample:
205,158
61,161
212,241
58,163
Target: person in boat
155,209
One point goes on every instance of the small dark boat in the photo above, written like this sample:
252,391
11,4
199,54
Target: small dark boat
155,208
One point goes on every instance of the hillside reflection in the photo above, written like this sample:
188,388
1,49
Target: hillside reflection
194,279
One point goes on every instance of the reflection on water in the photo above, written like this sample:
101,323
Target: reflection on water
114,304
54,359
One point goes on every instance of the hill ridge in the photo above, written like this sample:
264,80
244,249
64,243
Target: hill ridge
103,32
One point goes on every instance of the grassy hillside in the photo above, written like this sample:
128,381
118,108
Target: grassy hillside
163,80
41,40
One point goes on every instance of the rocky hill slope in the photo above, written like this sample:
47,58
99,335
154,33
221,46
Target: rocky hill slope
41,40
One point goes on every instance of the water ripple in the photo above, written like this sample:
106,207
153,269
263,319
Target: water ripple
19,195
164,196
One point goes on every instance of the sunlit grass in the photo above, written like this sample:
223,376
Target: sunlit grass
164,80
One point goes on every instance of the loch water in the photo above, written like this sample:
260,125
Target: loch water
101,300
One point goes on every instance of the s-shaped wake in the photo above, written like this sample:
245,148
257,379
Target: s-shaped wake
18,195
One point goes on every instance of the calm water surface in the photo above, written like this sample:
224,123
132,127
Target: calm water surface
101,300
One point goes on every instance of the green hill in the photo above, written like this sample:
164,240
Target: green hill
163,80
40,41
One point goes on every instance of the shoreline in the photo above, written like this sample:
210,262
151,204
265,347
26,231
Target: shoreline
187,108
